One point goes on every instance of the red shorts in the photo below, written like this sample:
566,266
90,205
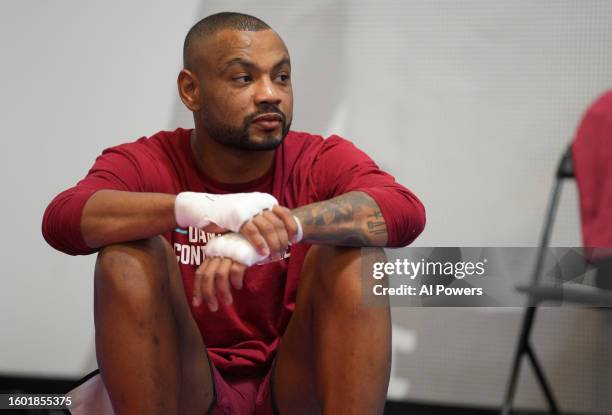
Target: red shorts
249,396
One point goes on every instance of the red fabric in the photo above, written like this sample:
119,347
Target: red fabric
241,338
592,156
242,396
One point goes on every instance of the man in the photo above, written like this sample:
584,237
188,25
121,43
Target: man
268,317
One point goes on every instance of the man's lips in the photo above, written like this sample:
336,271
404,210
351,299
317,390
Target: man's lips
268,121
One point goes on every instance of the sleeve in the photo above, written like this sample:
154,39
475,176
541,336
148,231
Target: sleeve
340,167
117,168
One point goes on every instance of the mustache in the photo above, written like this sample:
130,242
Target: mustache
266,109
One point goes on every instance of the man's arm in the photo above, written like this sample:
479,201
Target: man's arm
111,203
106,216
360,204
351,219
112,216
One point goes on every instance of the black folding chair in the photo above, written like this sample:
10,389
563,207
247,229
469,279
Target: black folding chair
538,293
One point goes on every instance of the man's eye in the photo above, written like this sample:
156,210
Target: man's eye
283,77
242,79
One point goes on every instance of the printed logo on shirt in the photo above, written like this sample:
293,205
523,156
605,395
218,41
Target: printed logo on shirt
189,245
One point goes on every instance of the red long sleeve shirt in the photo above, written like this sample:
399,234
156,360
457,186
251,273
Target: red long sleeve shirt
241,338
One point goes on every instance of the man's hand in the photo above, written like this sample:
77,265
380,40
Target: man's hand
229,211
352,219
228,256
234,246
213,278
271,232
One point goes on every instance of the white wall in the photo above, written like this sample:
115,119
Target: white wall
76,77
468,103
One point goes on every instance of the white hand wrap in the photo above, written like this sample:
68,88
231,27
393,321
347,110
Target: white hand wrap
234,246
229,211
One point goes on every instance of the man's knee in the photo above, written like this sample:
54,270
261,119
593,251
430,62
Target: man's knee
136,272
336,274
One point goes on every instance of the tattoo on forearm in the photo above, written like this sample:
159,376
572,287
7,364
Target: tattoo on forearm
377,228
376,215
352,219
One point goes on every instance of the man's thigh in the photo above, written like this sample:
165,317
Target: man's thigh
294,379
197,381
331,326
154,293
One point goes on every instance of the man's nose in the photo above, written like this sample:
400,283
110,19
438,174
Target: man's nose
266,92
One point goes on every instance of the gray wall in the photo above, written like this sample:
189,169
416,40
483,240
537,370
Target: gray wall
467,103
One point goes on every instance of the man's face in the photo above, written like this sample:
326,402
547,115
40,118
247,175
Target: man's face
246,94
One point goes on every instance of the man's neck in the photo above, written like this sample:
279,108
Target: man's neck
227,164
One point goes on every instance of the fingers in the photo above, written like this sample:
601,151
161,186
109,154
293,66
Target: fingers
196,295
269,232
286,216
237,274
274,232
204,284
221,277
251,232
212,281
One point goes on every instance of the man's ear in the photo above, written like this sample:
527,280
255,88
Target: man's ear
189,89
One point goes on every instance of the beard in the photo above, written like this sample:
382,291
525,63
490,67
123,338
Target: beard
239,137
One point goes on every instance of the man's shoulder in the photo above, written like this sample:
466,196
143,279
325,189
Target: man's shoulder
304,140
158,144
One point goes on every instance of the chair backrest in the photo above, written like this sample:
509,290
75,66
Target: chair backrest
565,170
603,265
590,154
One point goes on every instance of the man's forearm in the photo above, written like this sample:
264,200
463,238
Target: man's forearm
112,216
352,219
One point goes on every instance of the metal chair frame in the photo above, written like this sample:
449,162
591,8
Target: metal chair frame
564,171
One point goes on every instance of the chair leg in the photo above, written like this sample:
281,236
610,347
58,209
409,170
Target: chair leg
521,348
523,343
539,372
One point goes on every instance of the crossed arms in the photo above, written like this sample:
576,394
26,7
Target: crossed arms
351,219
359,206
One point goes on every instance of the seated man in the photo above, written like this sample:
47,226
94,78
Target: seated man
268,317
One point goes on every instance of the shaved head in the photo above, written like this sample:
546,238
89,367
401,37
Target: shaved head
210,25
